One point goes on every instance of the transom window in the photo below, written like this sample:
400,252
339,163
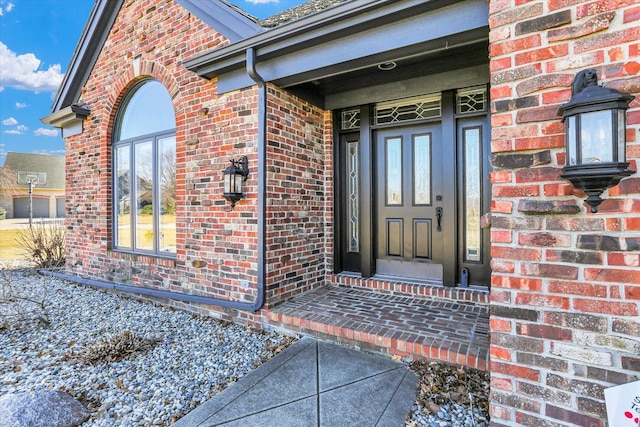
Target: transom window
144,177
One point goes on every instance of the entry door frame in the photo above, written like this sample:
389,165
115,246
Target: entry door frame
367,188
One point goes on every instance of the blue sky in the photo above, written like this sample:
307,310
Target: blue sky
37,40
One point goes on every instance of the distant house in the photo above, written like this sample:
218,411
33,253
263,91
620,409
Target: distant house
46,174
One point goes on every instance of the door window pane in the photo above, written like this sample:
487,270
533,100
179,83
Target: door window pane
167,181
394,171
122,209
473,193
422,169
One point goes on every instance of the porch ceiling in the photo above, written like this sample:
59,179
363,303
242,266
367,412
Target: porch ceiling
326,53
355,87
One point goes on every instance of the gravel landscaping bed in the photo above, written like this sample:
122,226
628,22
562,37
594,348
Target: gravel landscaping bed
449,396
130,362
134,363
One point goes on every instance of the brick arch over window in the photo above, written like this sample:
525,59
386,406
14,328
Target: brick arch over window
133,75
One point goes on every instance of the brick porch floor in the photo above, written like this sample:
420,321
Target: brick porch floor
403,325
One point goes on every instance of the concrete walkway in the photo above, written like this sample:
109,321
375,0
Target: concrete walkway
314,383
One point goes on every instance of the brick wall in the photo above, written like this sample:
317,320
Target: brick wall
297,158
566,283
216,247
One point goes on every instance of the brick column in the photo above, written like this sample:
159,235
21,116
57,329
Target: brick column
566,283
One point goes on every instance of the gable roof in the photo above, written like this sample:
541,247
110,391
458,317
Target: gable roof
225,18
53,166
299,11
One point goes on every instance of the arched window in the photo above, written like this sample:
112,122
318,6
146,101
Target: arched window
144,178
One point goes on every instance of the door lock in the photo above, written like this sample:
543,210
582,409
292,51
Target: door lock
439,218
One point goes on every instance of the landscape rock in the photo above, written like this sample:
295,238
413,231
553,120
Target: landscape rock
41,408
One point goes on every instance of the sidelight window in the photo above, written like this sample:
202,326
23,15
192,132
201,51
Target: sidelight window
473,193
144,179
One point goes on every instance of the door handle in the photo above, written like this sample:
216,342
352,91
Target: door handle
439,218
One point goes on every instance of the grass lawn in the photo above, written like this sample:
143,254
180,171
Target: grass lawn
9,247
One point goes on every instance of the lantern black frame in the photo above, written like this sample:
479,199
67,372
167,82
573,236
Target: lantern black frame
234,175
595,176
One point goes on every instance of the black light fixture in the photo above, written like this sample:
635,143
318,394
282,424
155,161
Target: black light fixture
595,130
234,177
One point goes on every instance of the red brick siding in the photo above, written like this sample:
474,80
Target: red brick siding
216,247
297,218
565,281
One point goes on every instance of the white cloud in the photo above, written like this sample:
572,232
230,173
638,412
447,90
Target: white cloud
19,130
20,105
21,72
10,121
5,7
45,132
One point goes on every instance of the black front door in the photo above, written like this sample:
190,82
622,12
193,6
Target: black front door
409,194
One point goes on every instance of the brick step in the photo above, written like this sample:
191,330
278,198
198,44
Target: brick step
397,325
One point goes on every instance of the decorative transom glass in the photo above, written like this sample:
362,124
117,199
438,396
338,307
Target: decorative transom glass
350,119
408,109
471,100
354,196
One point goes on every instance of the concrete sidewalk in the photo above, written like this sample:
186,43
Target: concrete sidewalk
314,383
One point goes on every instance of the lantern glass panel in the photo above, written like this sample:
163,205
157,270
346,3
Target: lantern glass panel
622,137
228,178
238,183
595,137
571,131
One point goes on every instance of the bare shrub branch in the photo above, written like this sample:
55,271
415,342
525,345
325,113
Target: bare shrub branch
114,348
43,243
19,305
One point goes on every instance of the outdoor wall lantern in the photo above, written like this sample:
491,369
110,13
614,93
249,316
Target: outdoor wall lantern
234,177
595,127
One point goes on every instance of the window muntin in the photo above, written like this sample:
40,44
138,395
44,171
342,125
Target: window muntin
144,156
